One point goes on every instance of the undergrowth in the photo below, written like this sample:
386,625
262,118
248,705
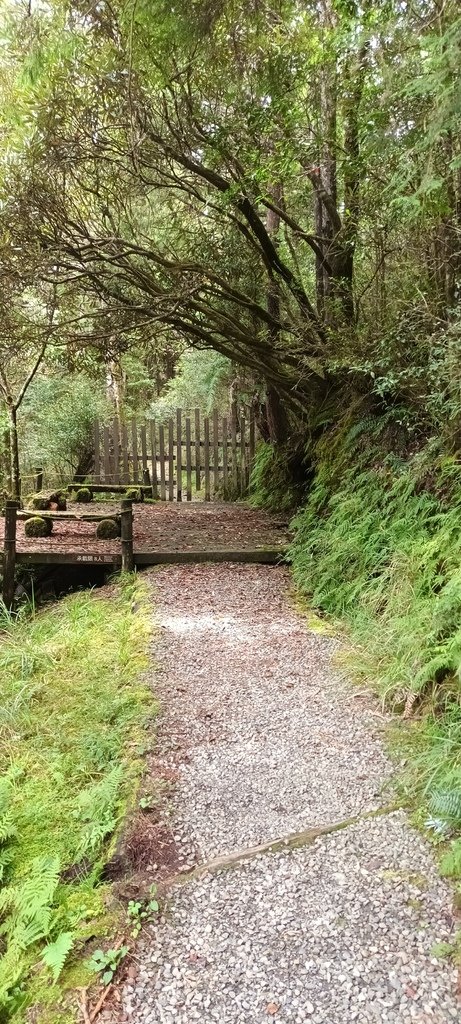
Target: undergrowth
72,716
377,545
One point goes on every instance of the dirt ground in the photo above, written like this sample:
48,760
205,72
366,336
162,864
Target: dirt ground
165,526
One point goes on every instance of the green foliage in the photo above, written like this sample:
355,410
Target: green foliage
72,711
378,545
272,485
57,421
106,962
202,380
55,953
84,495
139,912
108,529
38,527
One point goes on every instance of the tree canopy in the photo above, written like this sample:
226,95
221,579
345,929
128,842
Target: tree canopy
276,181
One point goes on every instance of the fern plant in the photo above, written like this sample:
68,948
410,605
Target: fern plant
445,808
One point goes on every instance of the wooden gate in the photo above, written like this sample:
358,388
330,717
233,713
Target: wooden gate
188,454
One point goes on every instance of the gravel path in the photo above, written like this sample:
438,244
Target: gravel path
266,739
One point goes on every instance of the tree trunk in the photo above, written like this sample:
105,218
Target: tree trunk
15,479
276,416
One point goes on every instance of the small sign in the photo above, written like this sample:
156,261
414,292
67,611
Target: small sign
95,558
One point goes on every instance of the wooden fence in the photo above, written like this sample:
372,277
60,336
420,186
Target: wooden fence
186,455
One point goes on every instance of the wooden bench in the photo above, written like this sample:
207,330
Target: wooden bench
86,517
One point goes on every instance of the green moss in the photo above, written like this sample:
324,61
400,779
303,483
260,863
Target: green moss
41,502
38,527
72,716
108,529
135,494
84,495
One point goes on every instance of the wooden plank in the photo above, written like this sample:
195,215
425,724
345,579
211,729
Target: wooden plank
84,517
188,461
107,473
145,468
153,452
264,556
224,456
67,558
215,451
170,460
97,454
161,455
198,452
178,456
243,461
108,488
234,463
134,443
206,456
116,447
125,460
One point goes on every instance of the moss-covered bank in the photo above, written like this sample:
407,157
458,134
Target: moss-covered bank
377,545
72,718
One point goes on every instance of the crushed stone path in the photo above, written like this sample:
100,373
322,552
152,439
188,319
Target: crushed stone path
266,739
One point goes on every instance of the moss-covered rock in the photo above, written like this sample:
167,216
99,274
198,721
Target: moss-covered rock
84,495
108,529
59,498
41,502
38,527
134,494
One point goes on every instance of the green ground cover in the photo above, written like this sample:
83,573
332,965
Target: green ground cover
73,710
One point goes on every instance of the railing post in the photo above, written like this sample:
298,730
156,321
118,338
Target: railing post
9,553
127,535
38,480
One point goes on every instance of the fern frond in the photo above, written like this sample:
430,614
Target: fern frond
446,804
55,953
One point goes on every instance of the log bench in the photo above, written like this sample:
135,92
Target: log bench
85,517
123,519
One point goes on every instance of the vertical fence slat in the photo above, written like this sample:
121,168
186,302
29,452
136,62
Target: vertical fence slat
153,452
125,462
106,455
145,468
178,456
243,459
97,456
206,456
116,447
170,460
215,451
161,454
198,453
224,455
188,461
235,474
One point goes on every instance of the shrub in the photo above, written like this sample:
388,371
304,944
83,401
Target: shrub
84,495
38,527
135,494
108,529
